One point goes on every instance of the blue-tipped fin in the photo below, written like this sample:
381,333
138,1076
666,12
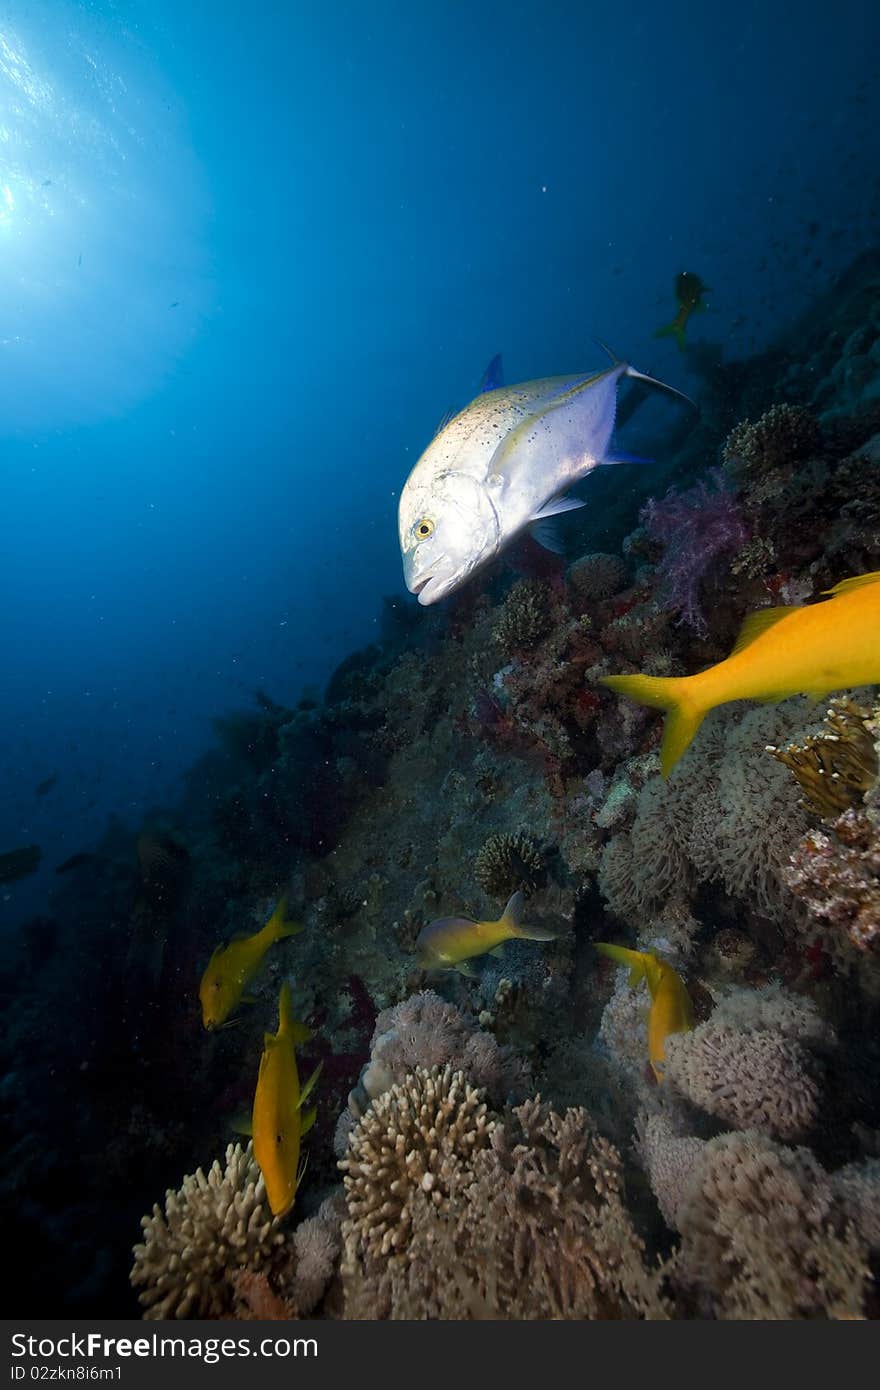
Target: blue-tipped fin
493,376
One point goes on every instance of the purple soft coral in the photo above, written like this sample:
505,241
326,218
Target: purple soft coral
695,528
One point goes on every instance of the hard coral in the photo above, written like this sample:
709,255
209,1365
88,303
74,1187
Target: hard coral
525,616
508,862
457,1214
782,436
595,577
215,1225
836,873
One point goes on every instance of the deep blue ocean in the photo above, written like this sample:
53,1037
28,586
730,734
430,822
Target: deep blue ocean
250,254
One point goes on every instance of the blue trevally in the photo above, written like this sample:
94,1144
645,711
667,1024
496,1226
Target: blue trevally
503,463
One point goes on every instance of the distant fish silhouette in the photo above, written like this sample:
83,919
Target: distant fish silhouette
45,183
18,863
76,861
47,785
79,259
174,304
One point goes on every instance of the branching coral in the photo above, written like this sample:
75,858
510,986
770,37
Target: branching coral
525,616
508,862
696,529
213,1226
836,767
454,1214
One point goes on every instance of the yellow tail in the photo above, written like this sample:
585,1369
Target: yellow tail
669,693
636,961
281,924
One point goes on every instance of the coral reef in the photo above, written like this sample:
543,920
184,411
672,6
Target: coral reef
508,862
215,1225
457,1214
525,617
696,529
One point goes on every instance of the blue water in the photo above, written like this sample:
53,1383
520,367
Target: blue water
249,258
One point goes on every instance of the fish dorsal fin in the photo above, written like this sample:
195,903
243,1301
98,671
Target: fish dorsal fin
756,624
513,913
444,421
858,581
493,376
308,1119
299,1033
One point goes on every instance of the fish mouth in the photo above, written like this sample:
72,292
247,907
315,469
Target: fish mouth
431,588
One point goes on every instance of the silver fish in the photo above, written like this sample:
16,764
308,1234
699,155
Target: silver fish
502,464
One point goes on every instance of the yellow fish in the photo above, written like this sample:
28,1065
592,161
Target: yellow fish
279,1121
671,1010
232,967
780,652
450,942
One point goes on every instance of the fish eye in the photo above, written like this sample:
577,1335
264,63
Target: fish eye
424,528
277,1138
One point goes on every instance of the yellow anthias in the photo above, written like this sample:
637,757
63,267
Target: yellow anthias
780,652
232,967
279,1121
671,1009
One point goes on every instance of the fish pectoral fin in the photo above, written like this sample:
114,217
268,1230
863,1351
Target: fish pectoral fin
242,1123
465,968
621,456
308,1119
556,506
497,951
301,1170
310,1085
547,534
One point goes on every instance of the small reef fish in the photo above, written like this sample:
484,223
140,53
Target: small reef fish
279,1121
232,967
780,652
671,1009
44,787
450,943
503,464
689,291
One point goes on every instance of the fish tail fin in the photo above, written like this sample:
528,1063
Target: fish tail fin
635,961
662,385
282,924
512,918
672,694
288,1026
673,330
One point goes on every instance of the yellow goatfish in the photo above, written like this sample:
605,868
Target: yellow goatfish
279,1121
450,942
232,967
780,652
671,1010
